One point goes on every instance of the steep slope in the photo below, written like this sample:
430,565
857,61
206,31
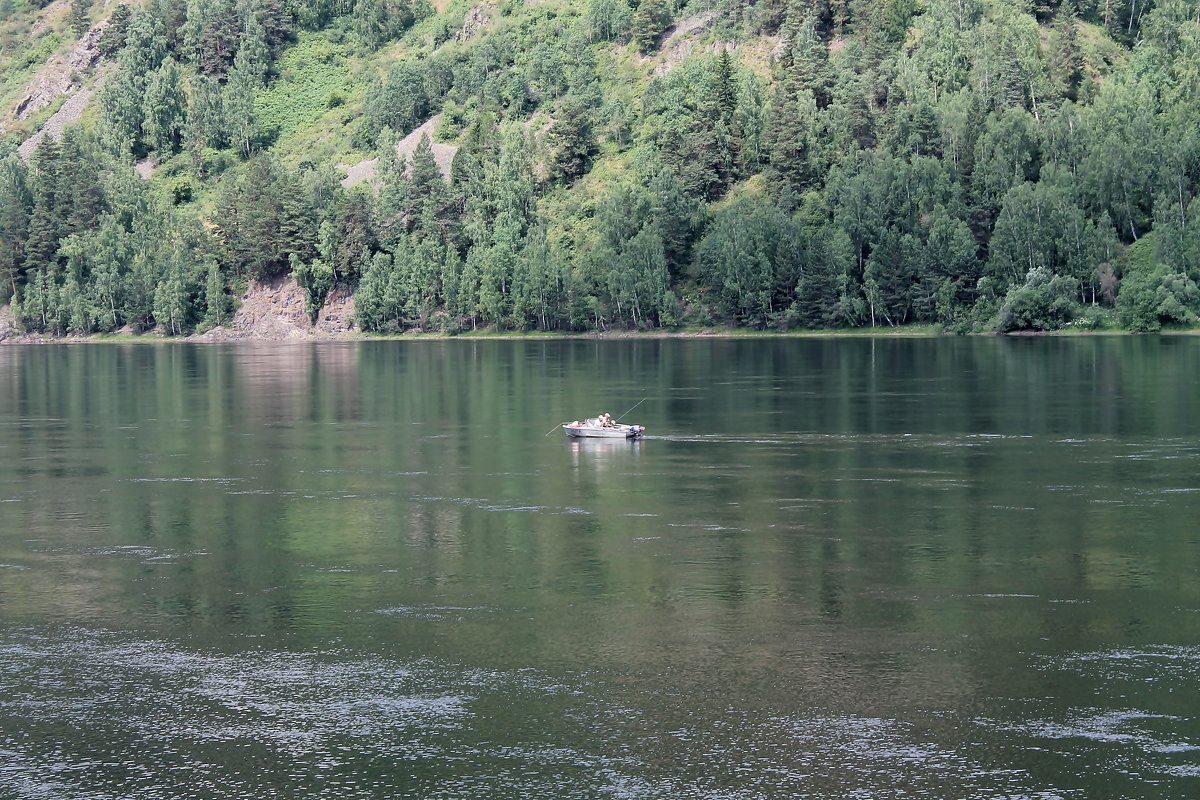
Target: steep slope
597,165
443,154
70,68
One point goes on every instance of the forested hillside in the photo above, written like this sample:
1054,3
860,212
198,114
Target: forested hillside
971,164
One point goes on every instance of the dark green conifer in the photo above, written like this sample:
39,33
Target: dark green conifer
15,203
79,17
1068,57
46,219
113,38
571,140
649,21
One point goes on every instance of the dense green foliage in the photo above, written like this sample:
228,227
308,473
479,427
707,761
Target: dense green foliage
970,163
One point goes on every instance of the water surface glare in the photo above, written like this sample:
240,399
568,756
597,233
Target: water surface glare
959,568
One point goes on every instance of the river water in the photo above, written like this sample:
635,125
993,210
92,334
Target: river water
839,568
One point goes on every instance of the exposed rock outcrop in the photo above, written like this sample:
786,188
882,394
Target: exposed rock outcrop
275,310
682,40
269,310
71,111
62,75
337,315
443,154
475,21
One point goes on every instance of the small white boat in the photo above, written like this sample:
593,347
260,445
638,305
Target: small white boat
594,428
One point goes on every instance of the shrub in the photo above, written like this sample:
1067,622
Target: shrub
1148,298
1045,302
181,190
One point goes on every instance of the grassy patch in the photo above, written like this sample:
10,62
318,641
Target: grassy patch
314,77
752,189
20,64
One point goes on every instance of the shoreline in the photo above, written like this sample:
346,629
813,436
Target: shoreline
907,332
151,338
267,328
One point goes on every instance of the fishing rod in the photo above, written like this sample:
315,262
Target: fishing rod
635,405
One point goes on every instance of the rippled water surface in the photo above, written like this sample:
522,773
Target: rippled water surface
961,568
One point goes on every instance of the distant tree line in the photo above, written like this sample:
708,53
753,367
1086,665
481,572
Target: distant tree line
973,164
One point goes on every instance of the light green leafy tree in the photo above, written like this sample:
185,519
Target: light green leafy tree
164,109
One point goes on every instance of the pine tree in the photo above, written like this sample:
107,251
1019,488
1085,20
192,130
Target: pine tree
806,61
370,312
15,204
423,285
145,45
210,35
649,21
379,21
571,140
121,106
719,115
113,38
123,96
676,214
425,179
724,92
277,18
79,189
173,14
1068,57
792,135
79,17
46,223
348,234
392,173
205,121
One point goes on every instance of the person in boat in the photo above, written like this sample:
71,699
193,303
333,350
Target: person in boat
605,421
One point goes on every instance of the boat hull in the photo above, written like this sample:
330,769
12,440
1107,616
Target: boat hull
586,431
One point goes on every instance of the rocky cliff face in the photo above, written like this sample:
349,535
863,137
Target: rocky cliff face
62,76
336,317
269,310
275,310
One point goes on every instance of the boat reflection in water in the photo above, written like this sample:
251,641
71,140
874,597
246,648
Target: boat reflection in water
603,453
